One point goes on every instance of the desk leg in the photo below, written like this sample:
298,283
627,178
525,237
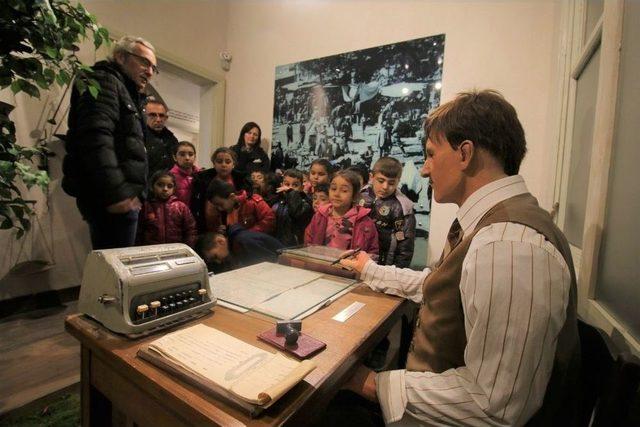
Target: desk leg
95,407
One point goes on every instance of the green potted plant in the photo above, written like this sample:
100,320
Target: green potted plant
40,39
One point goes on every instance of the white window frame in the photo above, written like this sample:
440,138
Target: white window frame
607,35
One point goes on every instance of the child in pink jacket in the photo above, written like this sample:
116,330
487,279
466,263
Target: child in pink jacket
342,223
183,170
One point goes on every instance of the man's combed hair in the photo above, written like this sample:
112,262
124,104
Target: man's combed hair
153,100
388,166
127,43
486,119
219,188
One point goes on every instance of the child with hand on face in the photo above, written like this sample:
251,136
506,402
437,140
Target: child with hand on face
236,207
392,213
163,218
293,209
224,161
184,170
320,196
265,184
341,223
319,173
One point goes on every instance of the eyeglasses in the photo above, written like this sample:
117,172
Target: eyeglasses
145,63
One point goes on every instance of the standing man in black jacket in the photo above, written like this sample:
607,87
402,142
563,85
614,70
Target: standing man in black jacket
106,164
160,142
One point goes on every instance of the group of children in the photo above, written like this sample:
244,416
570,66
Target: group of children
233,218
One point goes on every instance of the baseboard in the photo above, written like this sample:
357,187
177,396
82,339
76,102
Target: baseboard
39,301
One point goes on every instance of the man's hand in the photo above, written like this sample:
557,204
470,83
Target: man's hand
124,206
363,382
357,263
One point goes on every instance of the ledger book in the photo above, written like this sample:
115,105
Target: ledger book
226,366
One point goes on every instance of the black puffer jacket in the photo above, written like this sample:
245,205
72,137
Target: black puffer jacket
252,160
106,161
161,147
293,214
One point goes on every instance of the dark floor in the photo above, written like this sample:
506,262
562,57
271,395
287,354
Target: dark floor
37,356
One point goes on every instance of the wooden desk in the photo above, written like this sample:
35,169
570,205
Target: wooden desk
117,385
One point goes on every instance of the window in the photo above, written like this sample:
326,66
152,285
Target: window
597,171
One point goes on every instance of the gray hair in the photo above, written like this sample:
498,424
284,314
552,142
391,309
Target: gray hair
127,43
152,100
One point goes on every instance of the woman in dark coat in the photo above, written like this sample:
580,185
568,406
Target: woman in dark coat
251,156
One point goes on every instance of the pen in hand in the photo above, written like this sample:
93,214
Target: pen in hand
345,255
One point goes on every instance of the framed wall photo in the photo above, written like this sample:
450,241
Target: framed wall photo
354,107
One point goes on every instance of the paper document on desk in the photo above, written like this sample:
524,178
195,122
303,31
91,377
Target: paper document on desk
251,374
289,305
277,290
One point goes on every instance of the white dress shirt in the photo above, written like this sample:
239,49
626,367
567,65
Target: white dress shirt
514,289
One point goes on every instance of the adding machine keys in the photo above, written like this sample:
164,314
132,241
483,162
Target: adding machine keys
140,289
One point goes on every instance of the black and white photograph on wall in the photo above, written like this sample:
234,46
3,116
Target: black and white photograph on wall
356,106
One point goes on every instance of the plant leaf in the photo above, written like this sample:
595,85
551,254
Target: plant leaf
51,52
94,91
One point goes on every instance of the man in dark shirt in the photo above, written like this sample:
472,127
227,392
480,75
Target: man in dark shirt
159,141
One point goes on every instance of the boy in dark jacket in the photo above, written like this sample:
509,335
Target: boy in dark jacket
293,209
239,248
235,207
392,213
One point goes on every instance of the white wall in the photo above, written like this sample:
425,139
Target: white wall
194,31
510,46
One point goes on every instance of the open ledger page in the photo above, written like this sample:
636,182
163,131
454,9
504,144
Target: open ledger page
277,290
322,253
250,286
254,375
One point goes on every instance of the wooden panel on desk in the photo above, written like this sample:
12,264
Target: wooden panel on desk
319,266
346,343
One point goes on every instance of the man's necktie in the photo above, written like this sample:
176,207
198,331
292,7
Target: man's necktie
454,237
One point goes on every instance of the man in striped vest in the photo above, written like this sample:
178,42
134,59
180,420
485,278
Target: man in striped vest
495,342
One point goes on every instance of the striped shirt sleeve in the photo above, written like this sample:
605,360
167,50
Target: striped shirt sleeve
403,282
514,289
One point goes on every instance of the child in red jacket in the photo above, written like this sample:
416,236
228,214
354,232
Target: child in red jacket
163,218
341,223
236,207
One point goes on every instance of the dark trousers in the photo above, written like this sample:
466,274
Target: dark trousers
111,230
350,410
